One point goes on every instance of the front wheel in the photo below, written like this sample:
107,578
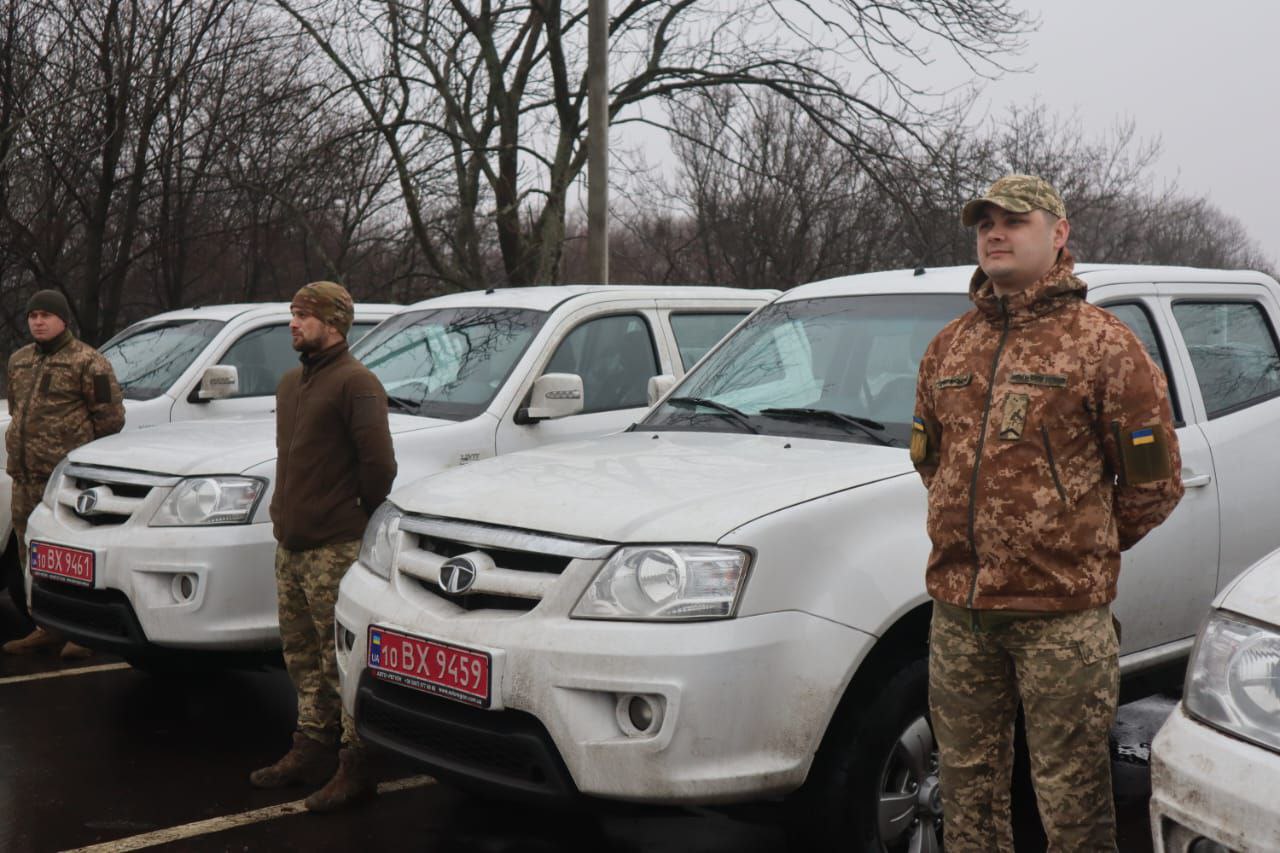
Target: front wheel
14,580
875,785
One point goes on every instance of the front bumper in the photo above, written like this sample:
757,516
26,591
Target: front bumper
743,702
230,575
1209,785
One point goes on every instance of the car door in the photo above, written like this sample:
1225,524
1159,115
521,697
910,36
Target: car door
613,347
1169,578
1228,336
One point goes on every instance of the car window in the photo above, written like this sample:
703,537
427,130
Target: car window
260,358
1139,322
697,333
615,357
148,358
1233,350
814,367
447,362
358,330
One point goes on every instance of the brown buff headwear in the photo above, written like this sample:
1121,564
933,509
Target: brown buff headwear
327,300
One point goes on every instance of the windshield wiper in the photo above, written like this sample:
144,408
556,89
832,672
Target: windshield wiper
866,426
403,404
740,418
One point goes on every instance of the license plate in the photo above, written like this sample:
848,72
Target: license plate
439,668
72,565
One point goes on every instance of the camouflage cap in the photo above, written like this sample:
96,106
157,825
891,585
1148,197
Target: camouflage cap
327,300
1018,194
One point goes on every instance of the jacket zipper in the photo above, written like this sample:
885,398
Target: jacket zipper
982,440
1053,466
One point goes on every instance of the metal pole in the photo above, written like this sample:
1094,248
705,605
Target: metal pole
598,140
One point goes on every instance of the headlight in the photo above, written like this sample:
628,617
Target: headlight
50,498
200,501
1233,682
644,582
378,549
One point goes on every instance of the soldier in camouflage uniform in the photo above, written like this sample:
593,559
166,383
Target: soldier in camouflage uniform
62,394
1045,436
334,467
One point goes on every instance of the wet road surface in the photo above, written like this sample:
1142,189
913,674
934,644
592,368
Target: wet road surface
94,754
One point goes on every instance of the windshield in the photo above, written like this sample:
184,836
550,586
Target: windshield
149,357
841,368
450,362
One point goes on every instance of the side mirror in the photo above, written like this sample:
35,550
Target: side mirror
219,381
554,395
659,386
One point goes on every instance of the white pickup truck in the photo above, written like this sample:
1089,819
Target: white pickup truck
173,553
161,364
726,602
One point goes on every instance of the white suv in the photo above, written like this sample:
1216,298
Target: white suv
1215,765
727,601
162,364
159,542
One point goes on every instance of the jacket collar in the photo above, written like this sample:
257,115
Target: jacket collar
311,362
51,346
1055,289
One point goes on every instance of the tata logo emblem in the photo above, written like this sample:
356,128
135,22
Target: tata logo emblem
87,501
457,575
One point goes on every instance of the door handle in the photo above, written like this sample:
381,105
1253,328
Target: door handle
1198,481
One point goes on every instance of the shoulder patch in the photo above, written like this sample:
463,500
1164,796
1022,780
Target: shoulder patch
101,388
1048,380
1144,453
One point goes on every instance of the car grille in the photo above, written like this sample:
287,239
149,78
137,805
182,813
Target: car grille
103,617
516,568
507,750
98,497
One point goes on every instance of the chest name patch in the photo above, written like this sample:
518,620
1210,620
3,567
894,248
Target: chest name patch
955,381
1048,380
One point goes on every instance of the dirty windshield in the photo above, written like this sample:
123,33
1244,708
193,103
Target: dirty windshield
449,362
149,357
841,368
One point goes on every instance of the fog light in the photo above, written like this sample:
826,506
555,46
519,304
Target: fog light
348,639
638,715
184,587
1204,845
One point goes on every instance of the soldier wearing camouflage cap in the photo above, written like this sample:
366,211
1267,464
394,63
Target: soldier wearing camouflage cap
334,467
1045,436
62,394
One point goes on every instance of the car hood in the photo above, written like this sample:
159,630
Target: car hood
1256,593
215,446
646,486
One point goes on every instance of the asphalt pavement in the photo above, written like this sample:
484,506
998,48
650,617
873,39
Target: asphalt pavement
95,755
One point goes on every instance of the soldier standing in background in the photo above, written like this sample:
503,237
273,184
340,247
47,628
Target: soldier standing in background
335,465
1045,436
62,394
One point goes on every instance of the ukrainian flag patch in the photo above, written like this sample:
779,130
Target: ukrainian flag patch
917,422
1142,436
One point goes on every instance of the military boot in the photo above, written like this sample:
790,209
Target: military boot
350,785
309,762
40,638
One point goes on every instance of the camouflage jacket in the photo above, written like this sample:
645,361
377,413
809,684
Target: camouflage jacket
1045,436
61,395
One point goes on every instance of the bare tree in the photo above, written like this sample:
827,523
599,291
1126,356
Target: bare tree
484,104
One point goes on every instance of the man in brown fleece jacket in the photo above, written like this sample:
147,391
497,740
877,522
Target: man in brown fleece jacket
1045,436
334,466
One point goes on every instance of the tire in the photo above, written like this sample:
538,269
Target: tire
874,786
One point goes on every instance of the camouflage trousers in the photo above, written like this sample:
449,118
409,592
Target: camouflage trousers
306,589
26,497
1064,669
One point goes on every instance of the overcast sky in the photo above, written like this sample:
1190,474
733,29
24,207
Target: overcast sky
1202,77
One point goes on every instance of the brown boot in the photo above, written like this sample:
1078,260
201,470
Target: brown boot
350,785
40,638
309,762
75,651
